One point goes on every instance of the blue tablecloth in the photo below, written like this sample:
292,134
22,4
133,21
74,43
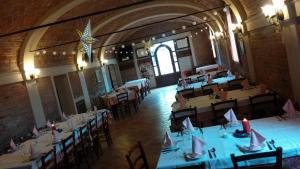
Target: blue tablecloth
285,133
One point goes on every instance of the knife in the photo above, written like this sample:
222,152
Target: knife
269,145
210,156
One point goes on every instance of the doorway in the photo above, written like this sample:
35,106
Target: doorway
64,94
165,64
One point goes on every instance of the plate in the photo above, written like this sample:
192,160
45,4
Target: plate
190,156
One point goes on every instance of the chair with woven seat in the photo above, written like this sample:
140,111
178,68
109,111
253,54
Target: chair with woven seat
123,105
84,146
49,160
277,154
95,138
136,157
235,84
264,105
69,151
220,74
187,93
179,115
104,132
220,108
207,89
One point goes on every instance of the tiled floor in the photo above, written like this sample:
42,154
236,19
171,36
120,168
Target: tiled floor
147,126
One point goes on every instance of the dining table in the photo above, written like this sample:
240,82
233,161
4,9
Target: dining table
220,143
203,103
195,76
111,99
20,159
207,68
222,82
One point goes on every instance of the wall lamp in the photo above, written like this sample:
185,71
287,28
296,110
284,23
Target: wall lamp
274,12
31,73
217,36
237,28
82,65
104,62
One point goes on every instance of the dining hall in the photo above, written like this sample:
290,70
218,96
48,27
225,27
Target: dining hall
150,84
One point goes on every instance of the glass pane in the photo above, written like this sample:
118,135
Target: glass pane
170,44
176,67
164,61
153,48
153,61
156,71
174,54
175,58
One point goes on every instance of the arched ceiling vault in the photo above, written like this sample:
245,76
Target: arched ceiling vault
171,7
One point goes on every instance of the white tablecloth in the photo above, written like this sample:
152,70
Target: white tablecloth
20,158
139,82
285,133
197,86
194,77
203,103
206,68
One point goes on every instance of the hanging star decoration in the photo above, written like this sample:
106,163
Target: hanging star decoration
147,45
86,40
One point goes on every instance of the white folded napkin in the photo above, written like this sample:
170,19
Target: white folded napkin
12,145
168,142
49,124
56,136
229,73
33,152
71,124
95,108
197,146
290,109
256,140
35,132
64,117
188,124
230,116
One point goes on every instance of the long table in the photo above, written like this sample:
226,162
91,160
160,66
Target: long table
285,133
197,86
111,99
194,77
203,103
206,68
44,143
140,83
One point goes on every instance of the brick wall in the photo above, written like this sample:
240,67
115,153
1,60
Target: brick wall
16,118
48,98
75,84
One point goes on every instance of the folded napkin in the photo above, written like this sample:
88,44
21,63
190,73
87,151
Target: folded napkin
245,84
12,144
182,101
49,124
197,146
229,73
230,116
183,83
168,142
64,117
33,152
223,95
289,109
35,132
71,124
256,140
209,80
188,124
56,136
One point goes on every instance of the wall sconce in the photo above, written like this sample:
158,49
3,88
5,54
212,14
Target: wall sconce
82,65
31,73
274,12
217,36
104,62
237,28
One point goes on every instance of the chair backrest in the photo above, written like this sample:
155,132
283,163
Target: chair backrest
182,114
136,157
105,122
220,108
187,93
84,135
49,159
69,146
207,89
122,97
235,84
267,102
220,74
276,154
201,78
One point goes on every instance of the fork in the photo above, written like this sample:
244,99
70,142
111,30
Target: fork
213,150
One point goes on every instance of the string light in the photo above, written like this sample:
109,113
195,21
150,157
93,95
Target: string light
64,53
73,52
54,53
37,53
132,44
163,35
183,27
194,23
44,52
205,18
173,31
215,13
153,38
123,46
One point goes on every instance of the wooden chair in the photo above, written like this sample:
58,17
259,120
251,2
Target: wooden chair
123,105
104,134
69,151
264,105
188,81
179,115
136,157
187,93
275,154
83,146
220,108
207,89
201,78
49,160
95,138
235,84
220,74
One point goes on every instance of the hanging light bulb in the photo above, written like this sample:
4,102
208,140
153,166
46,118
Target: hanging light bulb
191,36
201,30
173,31
110,51
205,18
93,51
153,38
54,53
143,41
73,53
163,35
206,28
116,52
183,27
106,51
196,33
132,44
37,53
215,13
113,48
123,46
64,53
194,23
44,52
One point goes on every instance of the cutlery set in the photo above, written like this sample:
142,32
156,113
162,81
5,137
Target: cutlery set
212,153
271,144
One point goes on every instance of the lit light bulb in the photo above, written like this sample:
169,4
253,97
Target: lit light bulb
173,31
37,53
64,53
215,13
54,53
153,38
113,48
123,46
194,23
163,35
132,44
183,27
73,52
205,18
44,52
